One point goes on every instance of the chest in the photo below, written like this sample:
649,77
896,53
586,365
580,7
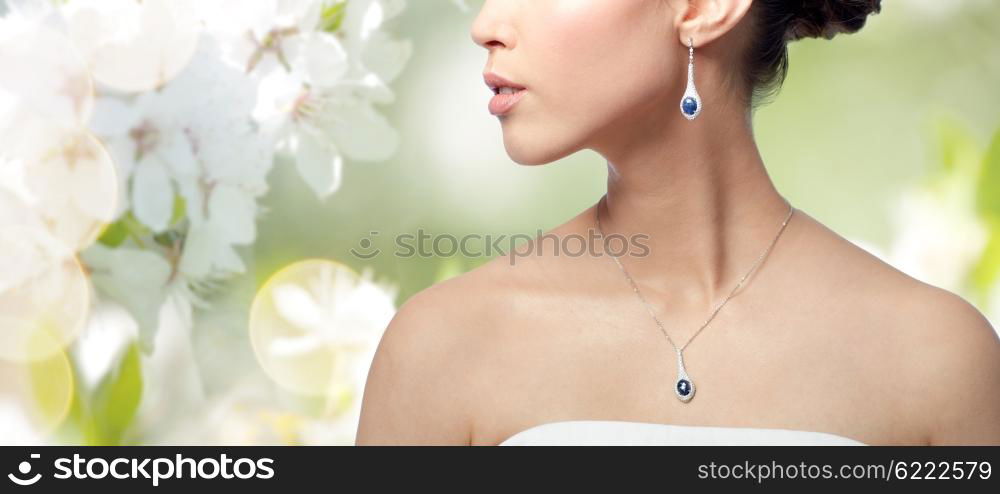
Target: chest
749,368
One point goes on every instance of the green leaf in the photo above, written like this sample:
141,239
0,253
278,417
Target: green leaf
180,209
114,235
988,193
128,226
116,399
332,16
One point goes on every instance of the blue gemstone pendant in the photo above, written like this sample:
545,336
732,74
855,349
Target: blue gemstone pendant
691,101
684,388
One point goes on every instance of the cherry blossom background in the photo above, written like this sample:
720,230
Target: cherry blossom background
182,183
137,142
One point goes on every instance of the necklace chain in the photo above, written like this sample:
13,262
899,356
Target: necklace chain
652,313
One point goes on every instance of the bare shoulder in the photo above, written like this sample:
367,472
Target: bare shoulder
424,382
941,352
955,365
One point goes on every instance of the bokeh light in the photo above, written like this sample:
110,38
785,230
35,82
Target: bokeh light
46,72
46,385
134,46
44,295
66,184
35,398
313,326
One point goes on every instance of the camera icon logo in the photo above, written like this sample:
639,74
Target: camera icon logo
25,468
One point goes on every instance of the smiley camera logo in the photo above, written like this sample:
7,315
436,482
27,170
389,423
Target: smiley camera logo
367,248
25,469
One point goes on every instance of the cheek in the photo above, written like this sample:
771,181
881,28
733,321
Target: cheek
596,60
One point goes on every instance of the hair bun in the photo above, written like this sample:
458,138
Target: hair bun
826,18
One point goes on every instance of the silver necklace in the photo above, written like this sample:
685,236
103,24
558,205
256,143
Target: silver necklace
684,387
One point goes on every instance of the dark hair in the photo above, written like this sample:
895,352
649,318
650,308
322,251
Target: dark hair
775,23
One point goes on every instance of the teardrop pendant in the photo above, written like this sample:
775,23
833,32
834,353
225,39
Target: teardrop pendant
684,388
691,101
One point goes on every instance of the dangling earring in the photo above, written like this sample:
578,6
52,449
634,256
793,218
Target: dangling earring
690,102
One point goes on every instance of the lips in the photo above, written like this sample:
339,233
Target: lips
506,93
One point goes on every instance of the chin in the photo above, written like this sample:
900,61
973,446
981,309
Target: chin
533,149
524,158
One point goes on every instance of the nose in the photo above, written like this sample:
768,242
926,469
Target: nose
491,29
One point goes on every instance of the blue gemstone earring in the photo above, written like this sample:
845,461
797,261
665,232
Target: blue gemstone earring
690,102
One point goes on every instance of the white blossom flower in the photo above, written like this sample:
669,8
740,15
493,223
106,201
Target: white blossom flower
188,102
44,77
133,46
316,92
194,139
56,175
262,35
64,182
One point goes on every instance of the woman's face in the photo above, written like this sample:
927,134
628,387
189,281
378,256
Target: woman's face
591,69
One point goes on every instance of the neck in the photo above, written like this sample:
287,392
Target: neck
700,192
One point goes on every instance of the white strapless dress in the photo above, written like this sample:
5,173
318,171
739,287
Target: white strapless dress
625,433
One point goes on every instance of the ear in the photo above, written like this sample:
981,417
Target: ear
706,20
